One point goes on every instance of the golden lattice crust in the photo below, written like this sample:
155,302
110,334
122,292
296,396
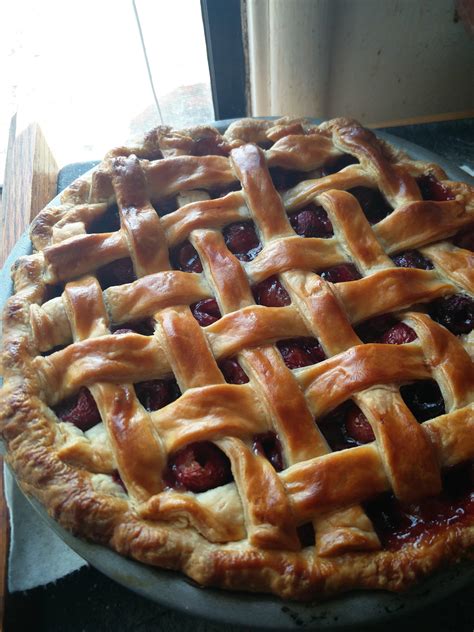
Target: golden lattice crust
241,535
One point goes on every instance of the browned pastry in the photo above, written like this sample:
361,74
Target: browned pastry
249,357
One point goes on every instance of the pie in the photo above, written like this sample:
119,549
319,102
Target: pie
249,357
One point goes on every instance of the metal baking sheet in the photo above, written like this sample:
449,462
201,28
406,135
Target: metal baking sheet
174,590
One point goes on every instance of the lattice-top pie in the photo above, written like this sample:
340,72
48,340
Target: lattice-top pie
249,357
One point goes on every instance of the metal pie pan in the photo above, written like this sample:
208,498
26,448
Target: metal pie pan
174,590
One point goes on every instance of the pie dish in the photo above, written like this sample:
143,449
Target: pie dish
249,357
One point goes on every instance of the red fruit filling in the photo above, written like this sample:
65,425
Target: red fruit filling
373,329
299,352
283,179
399,334
186,258
80,410
224,190
306,534
144,327
433,189
118,479
53,291
165,207
109,222
271,293
268,445
242,240
372,202
412,259
312,221
232,371
340,274
206,311
465,240
424,399
338,164
346,427
455,312
198,467
155,394
116,273
397,523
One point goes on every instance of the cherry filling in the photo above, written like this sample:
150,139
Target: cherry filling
312,221
206,311
397,523
346,427
372,330
306,534
465,240
53,291
118,479
455,312
412,259
283,179
116,273
299,352
399,334
166,206
372,202
242,240
338,164
155,394
144,327
225,190
109,222
268,445
186,258
80,410
198,467
433,189
271,293
424,399
232,371
340,274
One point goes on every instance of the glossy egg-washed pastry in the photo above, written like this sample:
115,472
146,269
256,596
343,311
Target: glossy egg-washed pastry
249,357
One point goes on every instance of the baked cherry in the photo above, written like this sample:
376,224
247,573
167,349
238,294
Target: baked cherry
306,534
372,330
199,467
358,426
108,222
412,259
232,371
465,239
242,240
53,291
338,164
397,523
186,258
299,352
116,273
144,327
268,445
271,293
432,189
341,273
166,206
80,410
399,334
312,221
372,202
118,479
346,427
283,179
424,399
206,311
222,191
155,394
455,312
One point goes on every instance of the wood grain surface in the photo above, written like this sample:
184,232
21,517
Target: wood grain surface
29,182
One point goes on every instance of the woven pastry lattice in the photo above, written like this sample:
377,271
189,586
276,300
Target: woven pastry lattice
112,481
